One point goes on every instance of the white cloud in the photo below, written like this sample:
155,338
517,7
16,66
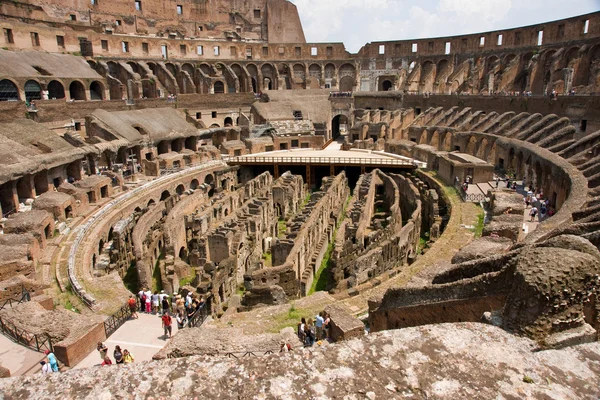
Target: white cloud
357,22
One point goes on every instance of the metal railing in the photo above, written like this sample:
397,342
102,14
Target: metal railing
471,197
233,354
25,296
37,342
200,315
347,161
115,321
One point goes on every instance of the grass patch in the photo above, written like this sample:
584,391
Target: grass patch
188,279
321,278
241,289
289,319
281,228
268,259
478,228
156,276
131,280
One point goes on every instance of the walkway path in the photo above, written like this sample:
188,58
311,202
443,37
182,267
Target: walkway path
19,360
143,338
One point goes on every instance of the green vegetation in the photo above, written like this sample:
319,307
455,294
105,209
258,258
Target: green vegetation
527,379
131,280
478,228
268,259
241,289
291,318
65,299
156,276
423,240
321,278
188,279
281,228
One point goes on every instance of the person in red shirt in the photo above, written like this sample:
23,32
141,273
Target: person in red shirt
166,323
133,306
106,361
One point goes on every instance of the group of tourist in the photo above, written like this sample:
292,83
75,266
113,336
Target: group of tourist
171,98
183,308
340,94
120,356
49,364
310,331
540,208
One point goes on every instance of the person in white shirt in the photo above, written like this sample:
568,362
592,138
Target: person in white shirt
45,368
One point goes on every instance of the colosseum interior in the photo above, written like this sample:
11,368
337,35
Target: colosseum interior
205,148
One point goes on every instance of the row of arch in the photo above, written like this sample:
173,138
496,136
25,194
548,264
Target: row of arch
539,73
155,79
34,90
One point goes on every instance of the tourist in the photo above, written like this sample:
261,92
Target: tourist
319,320
128,357
45,368
301,325
52,361
181,320
180,304
165,304
102,349
309,335
533,213
285,347
106,361
118,355
327,326
188,299
543,210
133,307
155,302
166,323
148,295
141,296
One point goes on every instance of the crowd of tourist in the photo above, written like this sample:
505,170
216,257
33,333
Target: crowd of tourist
311,331
120,356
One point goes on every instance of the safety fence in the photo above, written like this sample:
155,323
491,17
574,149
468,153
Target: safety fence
35,341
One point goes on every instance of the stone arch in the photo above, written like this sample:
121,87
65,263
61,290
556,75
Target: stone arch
219,87
446,144
507,59
314,71
8,90
151,202
299,72
189,68
253,71
386,85
171,68
346,84
33,90
209,179
242,77
423,137
336,125
165,195
77,91
482,149
56,90
435,139
96,91
194,184
228,121
230,79
471,145
269,77
180,189
427,76
329,73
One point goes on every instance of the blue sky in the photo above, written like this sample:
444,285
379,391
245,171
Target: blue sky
357,22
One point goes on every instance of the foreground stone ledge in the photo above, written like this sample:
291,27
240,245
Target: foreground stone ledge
416,363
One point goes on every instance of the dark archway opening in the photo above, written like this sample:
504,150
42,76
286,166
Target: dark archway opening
76,91
33,91
8,91
56,90
219,87
386,85
339,126
228,121
96,91
165,195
